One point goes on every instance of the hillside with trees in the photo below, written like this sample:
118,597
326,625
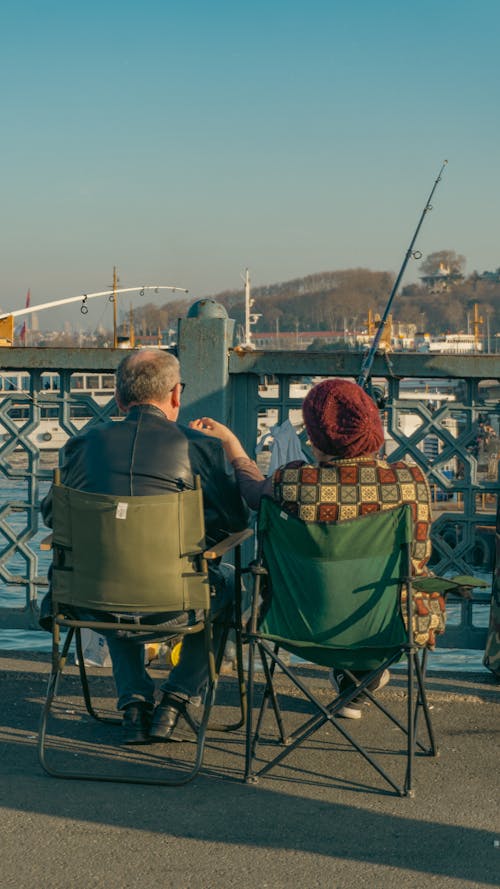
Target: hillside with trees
442,302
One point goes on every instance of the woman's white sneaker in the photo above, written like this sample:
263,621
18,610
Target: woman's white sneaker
340,682
348,711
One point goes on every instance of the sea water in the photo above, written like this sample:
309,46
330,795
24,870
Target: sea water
11,595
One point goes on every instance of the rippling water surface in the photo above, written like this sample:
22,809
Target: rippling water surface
12,490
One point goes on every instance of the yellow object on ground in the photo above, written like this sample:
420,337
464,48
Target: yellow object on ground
164,654
175,653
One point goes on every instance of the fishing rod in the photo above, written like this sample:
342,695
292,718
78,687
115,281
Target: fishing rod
85,296
368,360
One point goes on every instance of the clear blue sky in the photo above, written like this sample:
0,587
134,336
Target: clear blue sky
183,141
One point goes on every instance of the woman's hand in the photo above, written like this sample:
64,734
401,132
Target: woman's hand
214,429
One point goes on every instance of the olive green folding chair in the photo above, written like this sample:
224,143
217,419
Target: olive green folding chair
332,597
135,556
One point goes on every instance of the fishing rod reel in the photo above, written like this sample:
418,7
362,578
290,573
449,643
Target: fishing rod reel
379,397
377,394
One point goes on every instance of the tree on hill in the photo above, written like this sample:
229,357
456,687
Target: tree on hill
338,299
443,262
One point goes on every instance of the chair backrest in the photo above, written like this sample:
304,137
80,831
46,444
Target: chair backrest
131,554
335,588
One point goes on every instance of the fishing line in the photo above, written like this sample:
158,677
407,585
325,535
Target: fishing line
368,360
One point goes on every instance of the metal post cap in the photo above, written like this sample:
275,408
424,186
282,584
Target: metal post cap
207,308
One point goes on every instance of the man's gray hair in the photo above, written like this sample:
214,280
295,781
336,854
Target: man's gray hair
146,375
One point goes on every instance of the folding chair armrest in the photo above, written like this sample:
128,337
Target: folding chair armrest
229,543
46,543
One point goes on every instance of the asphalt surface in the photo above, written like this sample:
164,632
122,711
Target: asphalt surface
324,819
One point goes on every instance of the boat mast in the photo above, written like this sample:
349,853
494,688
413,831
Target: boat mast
250,317
115,313
248,304
131,329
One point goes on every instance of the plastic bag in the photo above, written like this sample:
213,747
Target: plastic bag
95,649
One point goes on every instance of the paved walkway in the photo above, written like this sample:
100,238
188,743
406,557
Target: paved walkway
330,824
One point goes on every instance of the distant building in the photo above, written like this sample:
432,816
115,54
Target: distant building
442,280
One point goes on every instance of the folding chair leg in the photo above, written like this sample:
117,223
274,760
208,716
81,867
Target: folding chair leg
269,693
242,689
59,657
397,722
57,667
250,776
303,733
238,627
422,703
236,624
199,729
416,671
112,720
58,663
411,727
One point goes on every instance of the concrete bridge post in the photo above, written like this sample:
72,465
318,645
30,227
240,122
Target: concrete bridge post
205,337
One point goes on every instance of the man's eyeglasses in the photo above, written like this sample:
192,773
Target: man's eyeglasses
181,384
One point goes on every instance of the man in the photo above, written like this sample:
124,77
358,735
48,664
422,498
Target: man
146,454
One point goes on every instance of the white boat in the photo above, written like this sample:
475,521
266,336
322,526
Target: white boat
455,344
15,404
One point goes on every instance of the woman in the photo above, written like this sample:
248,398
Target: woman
347,480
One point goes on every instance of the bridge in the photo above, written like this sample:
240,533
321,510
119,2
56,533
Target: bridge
251,391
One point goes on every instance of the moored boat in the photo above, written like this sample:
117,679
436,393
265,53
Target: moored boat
17,405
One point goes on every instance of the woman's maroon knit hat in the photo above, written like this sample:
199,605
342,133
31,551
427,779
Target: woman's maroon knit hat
342,420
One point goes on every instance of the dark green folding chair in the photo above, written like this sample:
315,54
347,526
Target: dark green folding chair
135,556
333,594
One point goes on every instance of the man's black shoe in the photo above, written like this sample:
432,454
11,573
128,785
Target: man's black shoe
166,717
136,723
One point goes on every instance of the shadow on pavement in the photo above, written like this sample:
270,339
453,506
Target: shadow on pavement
302,809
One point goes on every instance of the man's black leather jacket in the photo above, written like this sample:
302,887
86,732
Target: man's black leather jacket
148,454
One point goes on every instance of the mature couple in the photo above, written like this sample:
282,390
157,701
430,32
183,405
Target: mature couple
150,453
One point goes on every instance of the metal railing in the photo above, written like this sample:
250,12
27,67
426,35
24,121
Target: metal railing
252,391
435,410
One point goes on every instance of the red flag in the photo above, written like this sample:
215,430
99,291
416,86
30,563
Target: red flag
22,335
